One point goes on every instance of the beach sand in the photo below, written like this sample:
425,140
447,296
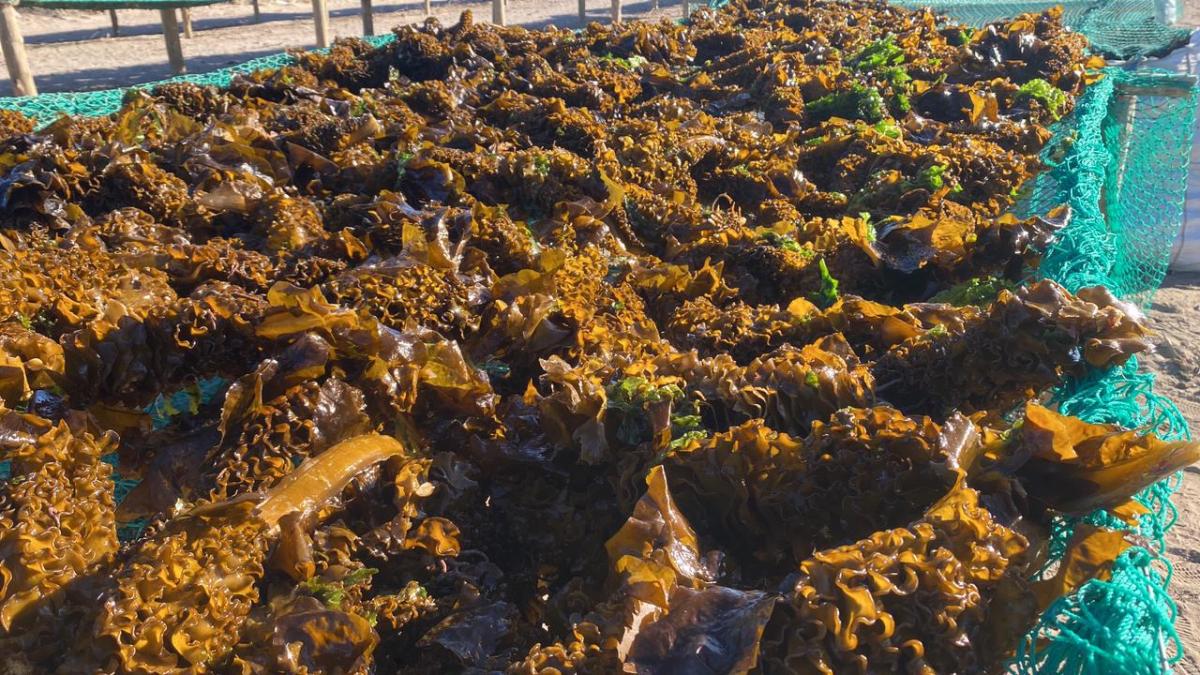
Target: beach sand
1175,318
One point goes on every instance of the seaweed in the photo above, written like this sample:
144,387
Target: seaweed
648,347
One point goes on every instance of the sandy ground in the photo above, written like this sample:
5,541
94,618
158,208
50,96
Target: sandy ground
75,51
1190,14
1175,317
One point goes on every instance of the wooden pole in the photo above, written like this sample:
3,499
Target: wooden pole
428,7
112,15
321,18
498,13
171,35
368,18
686,9
582,11
616,11
257,11
186,15
14,52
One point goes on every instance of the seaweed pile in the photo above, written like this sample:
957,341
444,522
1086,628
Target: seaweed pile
648,348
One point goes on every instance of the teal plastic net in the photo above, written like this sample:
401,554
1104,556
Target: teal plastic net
1124,625
1120,162
47,107
1118,29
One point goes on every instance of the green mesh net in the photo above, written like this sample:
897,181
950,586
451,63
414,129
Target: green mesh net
1124,625
1120,162
47,107
1118,29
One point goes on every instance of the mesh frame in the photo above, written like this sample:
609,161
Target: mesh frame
1150,136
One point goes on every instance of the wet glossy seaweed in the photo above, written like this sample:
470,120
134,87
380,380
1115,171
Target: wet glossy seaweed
651,348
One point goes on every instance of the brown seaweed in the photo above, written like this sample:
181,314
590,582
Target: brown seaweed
652,348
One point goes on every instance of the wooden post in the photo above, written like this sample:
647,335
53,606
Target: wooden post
321,18
498,12
686,9
186,15
428,7
582,11
14,52
616,11
368,18
171,35
112,15
257,11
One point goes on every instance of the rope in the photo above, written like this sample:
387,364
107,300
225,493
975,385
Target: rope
1123,625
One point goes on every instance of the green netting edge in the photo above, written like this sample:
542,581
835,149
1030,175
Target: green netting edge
45,108
1125,624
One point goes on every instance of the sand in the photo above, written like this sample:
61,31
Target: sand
1175,318
1189,15
74,51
